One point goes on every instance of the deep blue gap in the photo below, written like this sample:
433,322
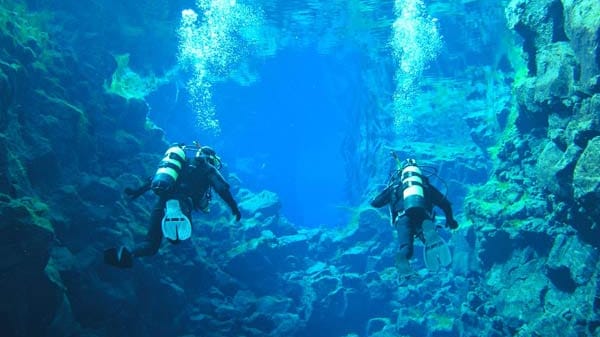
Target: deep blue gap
286,132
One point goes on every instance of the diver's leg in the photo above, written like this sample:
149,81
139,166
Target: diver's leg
406,241
154,236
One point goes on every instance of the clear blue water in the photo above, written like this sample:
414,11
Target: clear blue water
289,128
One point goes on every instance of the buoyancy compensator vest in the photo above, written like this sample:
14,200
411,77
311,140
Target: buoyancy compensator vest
169,169
413,192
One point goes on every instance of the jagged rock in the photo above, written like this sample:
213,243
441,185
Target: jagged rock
8,75
582,26
496,246
571,263
100,190
31,300
483,133
409,324
555,168
388,331
268,314
586,178
520,287
354,281
548,325
442,326
280,226
266,256
44,167
354,259
372,225
261,205
260,321
286,324
586,124
539,22
325,285
335,304
125,145
376,325
549,90
556,66
272,305
474,301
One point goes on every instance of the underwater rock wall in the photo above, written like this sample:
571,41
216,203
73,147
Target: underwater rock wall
537,219
65,148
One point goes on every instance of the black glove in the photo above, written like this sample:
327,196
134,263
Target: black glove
133,193
237,214
451,223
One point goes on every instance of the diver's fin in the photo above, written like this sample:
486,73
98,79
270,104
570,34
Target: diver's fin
436,253
118,257
175,225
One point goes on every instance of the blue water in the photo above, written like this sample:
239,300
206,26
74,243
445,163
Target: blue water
283,133
290,128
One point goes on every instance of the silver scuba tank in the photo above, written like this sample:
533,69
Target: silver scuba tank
412,189
168,170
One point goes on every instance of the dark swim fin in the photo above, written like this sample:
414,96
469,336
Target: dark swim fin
119,257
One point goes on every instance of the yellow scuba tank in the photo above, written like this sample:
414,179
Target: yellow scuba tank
168,170
412,189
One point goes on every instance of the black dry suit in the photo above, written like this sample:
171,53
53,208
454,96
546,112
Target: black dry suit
408,225
192,190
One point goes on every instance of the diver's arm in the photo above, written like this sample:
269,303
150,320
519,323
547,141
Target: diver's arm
383,198
135,193
444,204
222,188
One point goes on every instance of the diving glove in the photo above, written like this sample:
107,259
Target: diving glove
119,257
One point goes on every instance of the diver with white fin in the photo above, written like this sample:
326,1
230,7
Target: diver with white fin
183,184
411,199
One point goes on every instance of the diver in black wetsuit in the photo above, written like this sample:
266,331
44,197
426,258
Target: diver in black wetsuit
182,185
411,199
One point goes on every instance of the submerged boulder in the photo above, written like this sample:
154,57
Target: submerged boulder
554,168
571,263
582,26
32,301
539,22
261,205
586,177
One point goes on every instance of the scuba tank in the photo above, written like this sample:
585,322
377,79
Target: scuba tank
168,170
412,189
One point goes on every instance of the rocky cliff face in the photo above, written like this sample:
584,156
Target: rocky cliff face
64,151
538,228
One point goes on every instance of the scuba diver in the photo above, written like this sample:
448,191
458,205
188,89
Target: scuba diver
183,184
411,198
